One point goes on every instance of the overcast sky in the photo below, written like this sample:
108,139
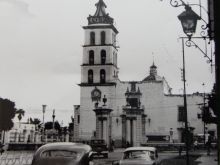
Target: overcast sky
41,50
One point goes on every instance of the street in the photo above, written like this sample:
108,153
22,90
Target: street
25,157
117,154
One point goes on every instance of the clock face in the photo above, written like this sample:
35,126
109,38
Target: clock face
96,93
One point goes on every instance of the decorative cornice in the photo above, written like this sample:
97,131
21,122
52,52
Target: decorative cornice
109,64
97,84
101,27
116,47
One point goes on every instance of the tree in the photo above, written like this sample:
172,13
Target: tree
49,125
36,121
7,113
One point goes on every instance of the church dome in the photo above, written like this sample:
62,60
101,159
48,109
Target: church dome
153,74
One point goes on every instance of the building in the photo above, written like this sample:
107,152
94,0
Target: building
22,133
128,111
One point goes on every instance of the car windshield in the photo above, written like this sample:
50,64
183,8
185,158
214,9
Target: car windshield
61,153
147,155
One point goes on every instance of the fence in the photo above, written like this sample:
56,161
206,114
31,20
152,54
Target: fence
16,158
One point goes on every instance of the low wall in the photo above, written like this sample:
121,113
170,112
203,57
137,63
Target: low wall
23,146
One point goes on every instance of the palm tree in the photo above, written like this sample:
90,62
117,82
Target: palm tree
20,113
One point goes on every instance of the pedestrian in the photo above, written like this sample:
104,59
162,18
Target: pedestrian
1,148
208,145
112,145
127,144
195,145
180,150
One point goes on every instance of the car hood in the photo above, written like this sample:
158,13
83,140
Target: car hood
135,162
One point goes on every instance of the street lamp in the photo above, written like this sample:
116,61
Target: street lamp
43,110
185,106
189,20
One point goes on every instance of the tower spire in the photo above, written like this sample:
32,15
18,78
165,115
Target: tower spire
100,16
100,11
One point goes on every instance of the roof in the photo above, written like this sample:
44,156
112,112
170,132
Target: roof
140,148
64,146
152,78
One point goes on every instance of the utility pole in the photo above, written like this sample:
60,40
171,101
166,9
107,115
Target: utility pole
217,68
203,113
185,107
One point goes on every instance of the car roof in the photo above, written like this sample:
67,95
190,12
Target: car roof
64,146
140,149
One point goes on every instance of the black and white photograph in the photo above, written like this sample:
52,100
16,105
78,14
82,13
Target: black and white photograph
109,82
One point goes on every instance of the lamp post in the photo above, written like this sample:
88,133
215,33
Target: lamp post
203,115
214,34
185,106
189,20
43,110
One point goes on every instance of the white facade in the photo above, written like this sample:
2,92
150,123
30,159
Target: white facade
22,133
160,105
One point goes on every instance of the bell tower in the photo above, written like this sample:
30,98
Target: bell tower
99,50
99,70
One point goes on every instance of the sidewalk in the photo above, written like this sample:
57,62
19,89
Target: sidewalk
207,160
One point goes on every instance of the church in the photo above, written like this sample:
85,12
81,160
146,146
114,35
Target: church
133,112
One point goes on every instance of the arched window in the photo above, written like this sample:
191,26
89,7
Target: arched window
102,38
91,57
103,56
90,76
102,76
92,38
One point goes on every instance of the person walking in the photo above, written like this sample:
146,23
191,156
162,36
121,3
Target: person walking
208,145
195,145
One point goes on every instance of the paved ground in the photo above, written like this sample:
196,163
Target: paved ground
208,160
25,157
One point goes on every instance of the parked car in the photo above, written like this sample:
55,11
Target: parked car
99,147
139,156
63,154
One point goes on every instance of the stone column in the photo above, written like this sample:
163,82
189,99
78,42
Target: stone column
124,130
103,130
135,132
128,131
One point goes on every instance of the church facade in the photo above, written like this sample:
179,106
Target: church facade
127,111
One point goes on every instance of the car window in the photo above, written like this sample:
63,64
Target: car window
60,153
152,155
98,142
137,155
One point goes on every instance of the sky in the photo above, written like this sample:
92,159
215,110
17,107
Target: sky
41,50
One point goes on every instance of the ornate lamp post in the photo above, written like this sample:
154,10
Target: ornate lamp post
189,20
213,30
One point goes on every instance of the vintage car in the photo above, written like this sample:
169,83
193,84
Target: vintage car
99,147
63,154
139,156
